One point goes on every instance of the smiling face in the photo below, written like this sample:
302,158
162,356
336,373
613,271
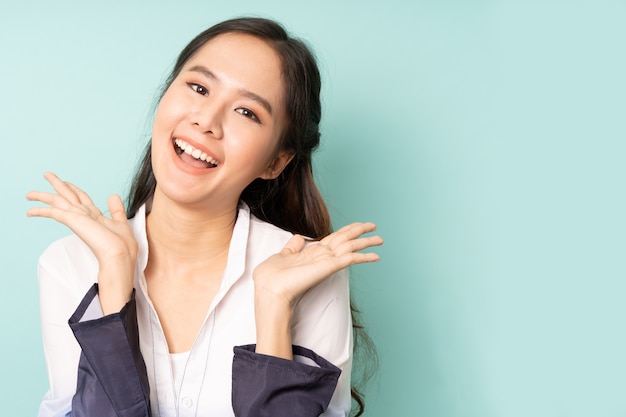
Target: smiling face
218,125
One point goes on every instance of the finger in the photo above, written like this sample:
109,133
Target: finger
38,212
41,196
356,245
50,199
116,208
361,258
294,245
354,230
83,197
349,232
49,212
61,187
353,258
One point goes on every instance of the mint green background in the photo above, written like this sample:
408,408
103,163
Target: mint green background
485,138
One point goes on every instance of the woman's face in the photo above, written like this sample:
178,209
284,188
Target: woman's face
218,125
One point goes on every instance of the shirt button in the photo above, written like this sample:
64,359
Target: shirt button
187,402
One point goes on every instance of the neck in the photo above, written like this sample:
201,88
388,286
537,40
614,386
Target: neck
187,238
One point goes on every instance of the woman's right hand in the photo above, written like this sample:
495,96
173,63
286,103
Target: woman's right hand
110,239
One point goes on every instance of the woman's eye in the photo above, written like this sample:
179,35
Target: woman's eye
198,88
248,113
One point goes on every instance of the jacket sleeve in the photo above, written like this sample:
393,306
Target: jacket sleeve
112,377
265,386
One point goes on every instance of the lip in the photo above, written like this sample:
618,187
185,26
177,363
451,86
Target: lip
188,168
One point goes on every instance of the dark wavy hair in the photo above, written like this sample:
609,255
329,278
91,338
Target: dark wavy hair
291,201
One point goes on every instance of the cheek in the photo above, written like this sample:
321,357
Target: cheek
159,118
162,128
169,109
265,150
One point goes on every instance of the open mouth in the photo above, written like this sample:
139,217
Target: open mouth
193,156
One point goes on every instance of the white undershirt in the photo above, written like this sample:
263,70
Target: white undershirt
178,362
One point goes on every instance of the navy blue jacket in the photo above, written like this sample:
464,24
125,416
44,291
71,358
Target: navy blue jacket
113,382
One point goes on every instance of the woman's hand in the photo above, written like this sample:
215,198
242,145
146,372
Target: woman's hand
110,239
284,277
290,273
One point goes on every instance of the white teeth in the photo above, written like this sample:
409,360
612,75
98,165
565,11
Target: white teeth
196,153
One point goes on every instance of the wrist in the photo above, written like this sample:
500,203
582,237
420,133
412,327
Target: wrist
273,326
115,287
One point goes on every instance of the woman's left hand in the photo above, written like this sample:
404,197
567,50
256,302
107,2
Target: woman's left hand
287,275
284,277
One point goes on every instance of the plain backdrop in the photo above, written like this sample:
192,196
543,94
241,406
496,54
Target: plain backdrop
485,138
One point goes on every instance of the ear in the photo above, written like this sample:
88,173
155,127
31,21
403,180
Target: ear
280,161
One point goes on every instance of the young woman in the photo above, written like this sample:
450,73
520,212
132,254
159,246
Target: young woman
208,301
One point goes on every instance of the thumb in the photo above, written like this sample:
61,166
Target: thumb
294,245
116,208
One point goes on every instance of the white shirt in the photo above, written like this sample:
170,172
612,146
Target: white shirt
321,322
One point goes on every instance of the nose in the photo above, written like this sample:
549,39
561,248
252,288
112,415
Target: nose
208,118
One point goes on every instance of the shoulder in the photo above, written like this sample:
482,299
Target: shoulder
67,250
263,233
68,263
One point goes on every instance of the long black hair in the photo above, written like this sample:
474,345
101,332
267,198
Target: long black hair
291,201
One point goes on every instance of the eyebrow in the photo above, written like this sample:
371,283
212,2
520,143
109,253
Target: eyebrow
246,93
